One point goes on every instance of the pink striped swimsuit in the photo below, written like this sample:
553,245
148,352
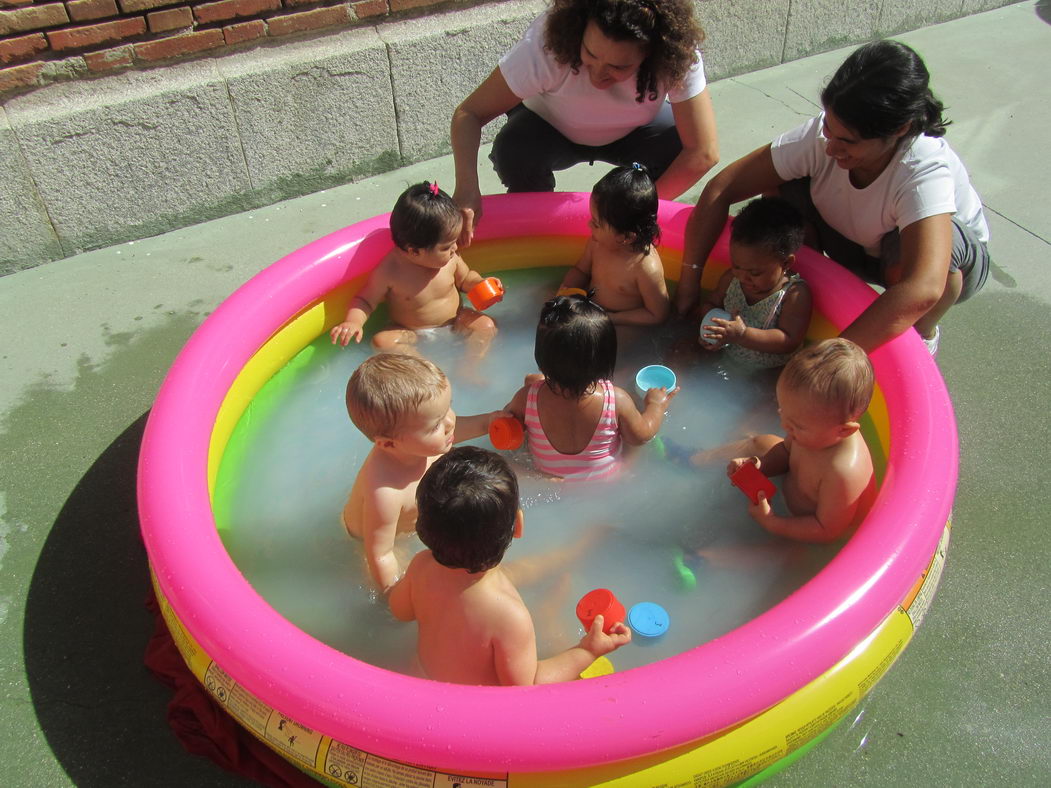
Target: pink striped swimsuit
598,460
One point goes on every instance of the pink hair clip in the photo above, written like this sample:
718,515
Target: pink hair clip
434,188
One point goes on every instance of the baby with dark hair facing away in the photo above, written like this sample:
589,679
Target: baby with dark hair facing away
473,627
575,419
420,279
620,261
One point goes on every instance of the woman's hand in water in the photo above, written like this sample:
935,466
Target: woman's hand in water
598,643
660,396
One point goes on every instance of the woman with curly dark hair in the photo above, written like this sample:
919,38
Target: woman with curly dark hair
619,81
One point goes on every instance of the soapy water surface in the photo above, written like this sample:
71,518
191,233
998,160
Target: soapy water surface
294,455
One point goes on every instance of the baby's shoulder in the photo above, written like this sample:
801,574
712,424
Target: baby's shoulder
384,477
650,263
506,610
851,458
388,264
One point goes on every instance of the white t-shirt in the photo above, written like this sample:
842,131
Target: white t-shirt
569,102
926,179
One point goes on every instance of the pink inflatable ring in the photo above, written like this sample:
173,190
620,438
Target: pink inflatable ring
746,702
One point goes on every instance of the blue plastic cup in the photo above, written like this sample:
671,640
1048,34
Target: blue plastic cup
649,621
655,376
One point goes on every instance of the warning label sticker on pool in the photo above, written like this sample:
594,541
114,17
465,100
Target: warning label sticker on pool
918,602
339,762
351,766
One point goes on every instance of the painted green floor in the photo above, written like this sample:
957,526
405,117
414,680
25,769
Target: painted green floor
87,340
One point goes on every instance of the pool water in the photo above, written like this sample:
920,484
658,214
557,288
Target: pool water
293,457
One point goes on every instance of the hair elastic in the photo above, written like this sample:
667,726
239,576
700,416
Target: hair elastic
434,188
572,291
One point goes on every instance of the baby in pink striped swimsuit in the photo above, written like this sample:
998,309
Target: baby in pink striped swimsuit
575,418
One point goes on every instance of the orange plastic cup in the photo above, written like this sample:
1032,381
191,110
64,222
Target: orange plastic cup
506,433
486,293
600,602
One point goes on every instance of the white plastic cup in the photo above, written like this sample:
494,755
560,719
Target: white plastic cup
707,321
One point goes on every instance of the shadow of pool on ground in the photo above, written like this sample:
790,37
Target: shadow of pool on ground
86,629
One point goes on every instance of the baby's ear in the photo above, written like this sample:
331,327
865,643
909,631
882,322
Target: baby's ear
519,524
848,428
383,442
790,261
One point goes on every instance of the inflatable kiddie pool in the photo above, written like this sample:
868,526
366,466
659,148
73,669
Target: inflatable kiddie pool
743,704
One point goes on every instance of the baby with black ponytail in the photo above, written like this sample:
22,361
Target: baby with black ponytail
620,262
575,418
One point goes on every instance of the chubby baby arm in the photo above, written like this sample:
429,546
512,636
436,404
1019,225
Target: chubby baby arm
468,427
381,513
465,277
516,660
572,662
579,276
802,528
637,428
400,596
353,326
362,305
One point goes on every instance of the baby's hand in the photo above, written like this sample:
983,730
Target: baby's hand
735,464
499,414
599,643
343,333
660,396
760,510
727,331
711,336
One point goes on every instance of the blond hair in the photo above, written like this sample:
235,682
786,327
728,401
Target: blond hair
387,387
836,374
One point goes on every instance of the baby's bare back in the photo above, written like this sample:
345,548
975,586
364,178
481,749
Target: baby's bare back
459,627
615,281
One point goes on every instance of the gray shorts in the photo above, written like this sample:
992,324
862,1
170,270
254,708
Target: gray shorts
969,255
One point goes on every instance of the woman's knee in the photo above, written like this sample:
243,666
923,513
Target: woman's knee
522,153
971,257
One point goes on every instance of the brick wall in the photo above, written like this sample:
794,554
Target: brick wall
43,40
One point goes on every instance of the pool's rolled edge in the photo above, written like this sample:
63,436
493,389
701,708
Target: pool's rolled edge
679,701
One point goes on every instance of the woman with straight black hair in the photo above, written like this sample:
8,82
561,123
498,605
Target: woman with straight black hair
882,192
